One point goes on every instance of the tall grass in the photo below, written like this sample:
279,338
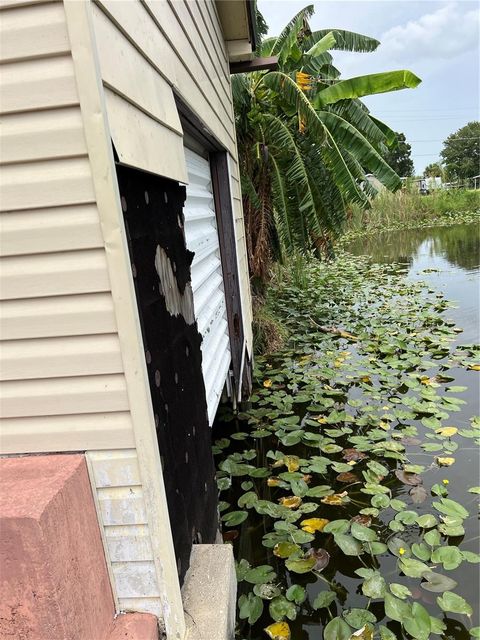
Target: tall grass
407,208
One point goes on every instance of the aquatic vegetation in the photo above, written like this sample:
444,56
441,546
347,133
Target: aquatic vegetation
407,209
338,469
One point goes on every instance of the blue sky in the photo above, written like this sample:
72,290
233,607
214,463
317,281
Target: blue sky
437,40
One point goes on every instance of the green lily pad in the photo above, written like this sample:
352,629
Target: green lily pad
437,583
324,599
259,575
232,518
337,629
300,565
250,607
453,603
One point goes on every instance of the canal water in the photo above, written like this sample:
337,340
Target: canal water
448,260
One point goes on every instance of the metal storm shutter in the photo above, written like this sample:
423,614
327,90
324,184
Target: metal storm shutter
207,279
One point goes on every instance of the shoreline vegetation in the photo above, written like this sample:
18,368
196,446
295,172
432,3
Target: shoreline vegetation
334,479
408,209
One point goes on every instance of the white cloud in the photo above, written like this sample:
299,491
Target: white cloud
444,34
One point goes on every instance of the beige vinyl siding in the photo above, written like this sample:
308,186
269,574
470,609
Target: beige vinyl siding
117,485
63,387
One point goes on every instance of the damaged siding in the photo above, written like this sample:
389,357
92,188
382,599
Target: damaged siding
179,48
154,220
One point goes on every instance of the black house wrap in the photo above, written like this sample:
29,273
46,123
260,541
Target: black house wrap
153,213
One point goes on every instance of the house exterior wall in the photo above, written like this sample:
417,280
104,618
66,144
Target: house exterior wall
73,377
63,387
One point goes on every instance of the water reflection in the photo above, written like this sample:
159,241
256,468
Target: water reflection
458,245
447,258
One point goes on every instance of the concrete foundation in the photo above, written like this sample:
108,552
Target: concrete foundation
209,593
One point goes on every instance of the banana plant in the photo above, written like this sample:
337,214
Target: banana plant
306,141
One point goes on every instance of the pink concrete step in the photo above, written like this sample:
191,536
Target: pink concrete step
54,583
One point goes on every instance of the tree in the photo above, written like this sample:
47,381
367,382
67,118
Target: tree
399,157
305,140
433,170
461,152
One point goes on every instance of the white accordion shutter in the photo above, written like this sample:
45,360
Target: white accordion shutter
207,280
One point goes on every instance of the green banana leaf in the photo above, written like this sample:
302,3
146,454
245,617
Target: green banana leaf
366,85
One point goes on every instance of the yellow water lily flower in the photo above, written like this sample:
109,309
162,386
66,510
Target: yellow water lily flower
292,463
445,481
311,525
291,502
278,631
321,419
448,432
267,383
273,482
474,367
445,462
401,551
366,379
365,633
336,498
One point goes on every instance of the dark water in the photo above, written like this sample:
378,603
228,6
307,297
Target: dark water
448,260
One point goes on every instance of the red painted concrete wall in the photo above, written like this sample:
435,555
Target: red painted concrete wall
54,583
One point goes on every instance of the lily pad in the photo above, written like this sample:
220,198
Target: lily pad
324,599
300,565
337,629
451,602
437,583
261,574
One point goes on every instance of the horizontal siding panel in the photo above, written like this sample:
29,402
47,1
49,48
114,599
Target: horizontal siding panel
60,357
57,316
122,505
61,396
204,49
208,9
53,274
128,73
50,230
115,468
66,432
38,84
42,135
136,22
135,579
129,543
142,30
142,142
235,187
6,4
190,59
46,184
33,32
